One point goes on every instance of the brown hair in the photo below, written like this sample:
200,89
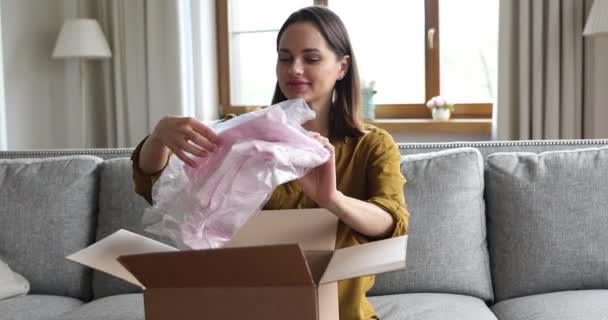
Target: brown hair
344,114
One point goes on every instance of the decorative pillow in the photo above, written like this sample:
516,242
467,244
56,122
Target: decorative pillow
11,283
547,221
447,250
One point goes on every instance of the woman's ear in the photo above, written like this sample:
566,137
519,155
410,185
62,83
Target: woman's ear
344,65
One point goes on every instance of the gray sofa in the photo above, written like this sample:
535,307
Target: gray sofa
498,230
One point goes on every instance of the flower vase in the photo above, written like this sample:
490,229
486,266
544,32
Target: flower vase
369,109
441,114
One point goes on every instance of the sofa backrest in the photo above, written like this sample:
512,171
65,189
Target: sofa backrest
433,266
487,148
547,221
47,211
424,239
447,250
119,208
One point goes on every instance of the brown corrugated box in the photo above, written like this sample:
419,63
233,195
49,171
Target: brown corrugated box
281,265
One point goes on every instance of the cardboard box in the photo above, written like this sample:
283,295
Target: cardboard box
281,265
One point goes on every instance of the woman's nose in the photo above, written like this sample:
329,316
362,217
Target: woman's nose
296,67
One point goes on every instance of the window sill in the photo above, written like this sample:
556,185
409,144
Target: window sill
469,126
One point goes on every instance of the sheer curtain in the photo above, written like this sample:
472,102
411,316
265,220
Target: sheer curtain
542,70
164,63
199,58
152,72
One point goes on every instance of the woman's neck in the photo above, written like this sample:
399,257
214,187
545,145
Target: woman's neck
320,123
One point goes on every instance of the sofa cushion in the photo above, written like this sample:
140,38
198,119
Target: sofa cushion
547,221
565,305
11,283
36,307
47,211
119,208
119,307
447,249
430,306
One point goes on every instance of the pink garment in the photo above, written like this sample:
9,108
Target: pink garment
204,207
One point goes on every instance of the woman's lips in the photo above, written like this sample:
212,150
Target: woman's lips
298,86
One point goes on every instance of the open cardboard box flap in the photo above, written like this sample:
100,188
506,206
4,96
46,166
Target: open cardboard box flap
103,255
255,248
315,230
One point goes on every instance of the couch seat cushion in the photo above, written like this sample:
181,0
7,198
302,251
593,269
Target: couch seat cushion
430,306
119,307
565,305
447,250
547,220
36,307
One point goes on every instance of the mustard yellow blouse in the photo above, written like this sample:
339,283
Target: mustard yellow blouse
368,169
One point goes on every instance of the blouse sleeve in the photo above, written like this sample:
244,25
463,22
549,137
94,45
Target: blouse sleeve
143,182
385,181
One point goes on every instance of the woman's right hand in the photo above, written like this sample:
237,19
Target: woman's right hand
183,136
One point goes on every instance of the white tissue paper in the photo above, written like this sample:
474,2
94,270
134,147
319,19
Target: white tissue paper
203,207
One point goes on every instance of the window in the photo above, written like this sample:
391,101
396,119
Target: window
253,48
247,50
413,50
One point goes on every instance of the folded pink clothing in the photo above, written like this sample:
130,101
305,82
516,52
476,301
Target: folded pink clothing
203,207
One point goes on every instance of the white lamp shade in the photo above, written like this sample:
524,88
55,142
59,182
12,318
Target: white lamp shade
597,22
81,38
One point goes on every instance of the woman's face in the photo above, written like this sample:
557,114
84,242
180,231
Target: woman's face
306,67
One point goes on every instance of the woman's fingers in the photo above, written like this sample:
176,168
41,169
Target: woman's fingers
187,160
178,152
199,134
192,149
323,140
186,137
181,148
204,131
202,142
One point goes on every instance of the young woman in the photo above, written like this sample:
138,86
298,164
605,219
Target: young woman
361,183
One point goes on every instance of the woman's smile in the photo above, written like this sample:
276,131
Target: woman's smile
298,86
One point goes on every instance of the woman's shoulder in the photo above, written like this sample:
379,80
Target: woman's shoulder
374,137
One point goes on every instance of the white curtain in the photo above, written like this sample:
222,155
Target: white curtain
141,83
199,58
542,70
163,64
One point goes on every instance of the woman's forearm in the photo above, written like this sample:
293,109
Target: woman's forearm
153,156
363,217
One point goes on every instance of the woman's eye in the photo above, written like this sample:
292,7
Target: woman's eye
313,59
284,59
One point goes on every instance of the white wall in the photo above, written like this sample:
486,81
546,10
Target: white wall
2,104
35,90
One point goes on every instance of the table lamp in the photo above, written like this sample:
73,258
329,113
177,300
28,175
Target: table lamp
597,21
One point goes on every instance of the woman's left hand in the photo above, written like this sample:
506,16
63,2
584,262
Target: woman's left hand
320,183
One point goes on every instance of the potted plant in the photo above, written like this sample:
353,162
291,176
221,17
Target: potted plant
440,108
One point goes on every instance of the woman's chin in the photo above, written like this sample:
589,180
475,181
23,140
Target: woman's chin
295,96
299,97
